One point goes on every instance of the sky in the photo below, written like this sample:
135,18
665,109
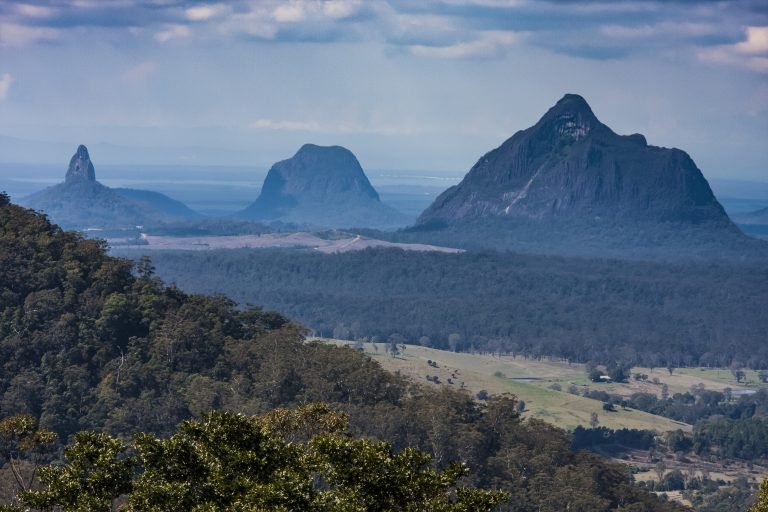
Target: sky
410,85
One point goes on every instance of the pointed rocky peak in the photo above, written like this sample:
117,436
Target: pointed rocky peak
571,117
80,166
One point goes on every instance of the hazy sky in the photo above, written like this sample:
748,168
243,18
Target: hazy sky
426,85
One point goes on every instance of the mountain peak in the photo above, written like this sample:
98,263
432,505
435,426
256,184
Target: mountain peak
574,100
571,116
80,166
570,165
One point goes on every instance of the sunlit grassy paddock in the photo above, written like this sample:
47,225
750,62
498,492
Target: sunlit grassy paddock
532,381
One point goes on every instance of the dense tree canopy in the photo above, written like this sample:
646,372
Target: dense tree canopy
633,313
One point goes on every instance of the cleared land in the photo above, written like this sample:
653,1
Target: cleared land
532,381
275,240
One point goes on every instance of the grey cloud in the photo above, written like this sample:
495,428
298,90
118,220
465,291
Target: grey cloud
579,24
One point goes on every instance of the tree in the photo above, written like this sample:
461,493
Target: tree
673,481
763,376
395,344
96,474
520,406
619,372
678,441
761,505
453,341
594,421
290,460
20,437
145,268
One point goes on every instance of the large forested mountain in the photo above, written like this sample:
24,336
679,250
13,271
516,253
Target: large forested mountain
85,344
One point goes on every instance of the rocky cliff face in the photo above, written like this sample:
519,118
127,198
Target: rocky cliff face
80,167
570,165
322,186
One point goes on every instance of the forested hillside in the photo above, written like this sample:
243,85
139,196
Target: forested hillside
649,314
87,345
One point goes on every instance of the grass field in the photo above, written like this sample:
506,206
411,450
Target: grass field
532,380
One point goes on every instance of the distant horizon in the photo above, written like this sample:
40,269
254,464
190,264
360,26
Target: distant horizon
187,183
258,165
429,85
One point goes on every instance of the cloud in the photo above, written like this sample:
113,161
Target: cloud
5,85
12,34
299,126
297,11
666,29
757,41
206,12
443,29
140,72
316,127
488,44
340,9
420,29
751,53
172,32
291,13
255,24
488,3
34,11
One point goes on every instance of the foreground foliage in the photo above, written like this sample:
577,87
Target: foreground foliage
762,500
86,345
234,462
